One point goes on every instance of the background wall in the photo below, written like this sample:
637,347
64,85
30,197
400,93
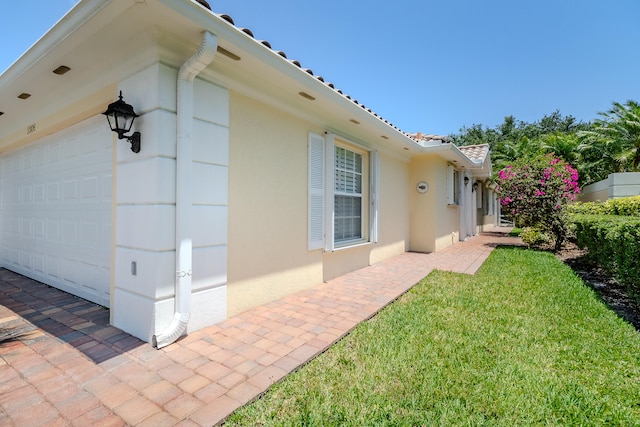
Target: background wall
434,224
616,185
394,215
268,202
268,255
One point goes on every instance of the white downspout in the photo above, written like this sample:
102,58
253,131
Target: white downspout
184,162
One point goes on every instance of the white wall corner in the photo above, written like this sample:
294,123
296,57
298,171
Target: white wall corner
208,308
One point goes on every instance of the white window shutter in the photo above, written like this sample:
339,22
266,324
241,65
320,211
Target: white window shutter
374,195
316,232
330,183
450,185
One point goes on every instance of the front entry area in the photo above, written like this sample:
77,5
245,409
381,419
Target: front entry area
55,210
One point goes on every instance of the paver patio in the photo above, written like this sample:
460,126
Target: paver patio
74,369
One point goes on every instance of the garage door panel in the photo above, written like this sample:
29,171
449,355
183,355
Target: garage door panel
39,265
70,269
56,211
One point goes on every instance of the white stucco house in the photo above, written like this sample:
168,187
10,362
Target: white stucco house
255,178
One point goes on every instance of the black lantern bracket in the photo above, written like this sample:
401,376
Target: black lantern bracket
134,139
120,116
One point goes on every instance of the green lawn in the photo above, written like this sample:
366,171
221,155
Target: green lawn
524,342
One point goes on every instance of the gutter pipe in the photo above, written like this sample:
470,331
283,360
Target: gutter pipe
184,160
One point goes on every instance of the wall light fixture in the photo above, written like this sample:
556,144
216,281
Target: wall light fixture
120,116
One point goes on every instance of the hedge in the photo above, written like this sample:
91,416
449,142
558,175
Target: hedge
614,242
627,206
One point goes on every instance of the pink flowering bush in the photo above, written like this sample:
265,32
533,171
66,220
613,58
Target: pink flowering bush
535,193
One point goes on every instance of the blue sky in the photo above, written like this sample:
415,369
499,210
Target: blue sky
427,65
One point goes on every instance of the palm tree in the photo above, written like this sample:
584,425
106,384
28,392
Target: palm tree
614,141
563,145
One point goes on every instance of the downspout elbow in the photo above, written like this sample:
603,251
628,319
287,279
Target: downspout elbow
184,159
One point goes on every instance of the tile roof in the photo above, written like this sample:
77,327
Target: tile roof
476,152
426,137
204,3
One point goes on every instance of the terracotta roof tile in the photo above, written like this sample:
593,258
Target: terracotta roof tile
476,152
430,138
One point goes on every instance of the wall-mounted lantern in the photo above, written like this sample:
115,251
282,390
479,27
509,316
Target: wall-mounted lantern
466,180
121,116
474,187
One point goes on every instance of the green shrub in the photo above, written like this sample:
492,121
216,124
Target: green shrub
614,242
626,206
535,236
587,208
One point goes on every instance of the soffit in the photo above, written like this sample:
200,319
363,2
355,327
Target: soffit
98,40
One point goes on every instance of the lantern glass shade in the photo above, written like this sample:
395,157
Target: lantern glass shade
120,116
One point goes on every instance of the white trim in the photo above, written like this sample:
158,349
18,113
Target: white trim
353,244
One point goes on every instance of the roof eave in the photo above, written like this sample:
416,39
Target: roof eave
449,152
311,83
60,31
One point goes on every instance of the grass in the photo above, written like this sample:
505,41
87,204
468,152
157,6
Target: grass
524,342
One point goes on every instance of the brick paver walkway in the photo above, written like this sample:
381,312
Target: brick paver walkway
75,369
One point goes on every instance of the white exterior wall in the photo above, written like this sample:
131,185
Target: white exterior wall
210,204
598,191
624,184
143,300
616,185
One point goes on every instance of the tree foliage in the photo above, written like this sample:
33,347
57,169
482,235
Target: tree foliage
610,144
536,191
515,139
613,144
534,161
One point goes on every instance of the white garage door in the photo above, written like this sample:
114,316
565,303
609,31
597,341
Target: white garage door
55,210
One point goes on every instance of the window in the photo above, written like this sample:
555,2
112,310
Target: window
343,203
453,186
347,217
487,201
